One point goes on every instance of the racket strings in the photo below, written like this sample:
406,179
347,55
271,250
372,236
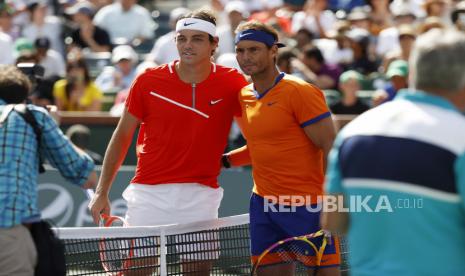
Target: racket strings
115,254
297,251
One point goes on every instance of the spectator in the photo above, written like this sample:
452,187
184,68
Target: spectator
77,92
429,23
6,49
164,50
237,12
315,17
50,59
6,21
42,25
289,63
272,14
380,15
327,75
407,36
121,75
388,39
337,48
349,85
438,8
397,74
303,37
87,35
126,21
360,18
24,51
364,60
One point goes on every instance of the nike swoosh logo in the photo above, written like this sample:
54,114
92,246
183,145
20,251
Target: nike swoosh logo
213,102
187,24
271,103
246,34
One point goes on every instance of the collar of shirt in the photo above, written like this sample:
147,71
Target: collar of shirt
427,98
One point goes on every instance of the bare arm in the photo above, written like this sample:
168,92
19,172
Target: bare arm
240,156
336,222
114,157
322,134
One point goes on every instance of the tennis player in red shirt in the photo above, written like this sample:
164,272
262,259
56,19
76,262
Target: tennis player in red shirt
184,110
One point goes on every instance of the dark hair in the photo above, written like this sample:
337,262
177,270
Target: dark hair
286,55
311,51
203,14
79,63
14,85
306,32
259,26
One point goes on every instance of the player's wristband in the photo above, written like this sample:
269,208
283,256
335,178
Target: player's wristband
225,161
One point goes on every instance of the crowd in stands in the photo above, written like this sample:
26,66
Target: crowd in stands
355,50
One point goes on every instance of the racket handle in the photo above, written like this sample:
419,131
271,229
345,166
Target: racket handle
90,193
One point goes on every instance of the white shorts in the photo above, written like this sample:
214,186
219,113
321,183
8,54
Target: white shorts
150,205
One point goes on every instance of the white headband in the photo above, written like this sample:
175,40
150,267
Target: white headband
197,25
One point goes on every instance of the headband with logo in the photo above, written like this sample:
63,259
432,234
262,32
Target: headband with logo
259,36
197,25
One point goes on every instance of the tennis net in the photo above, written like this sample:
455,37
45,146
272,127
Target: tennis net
221,246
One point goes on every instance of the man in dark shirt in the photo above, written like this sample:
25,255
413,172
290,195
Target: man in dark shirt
349,85
87,35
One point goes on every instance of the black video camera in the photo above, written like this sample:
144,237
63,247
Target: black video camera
34,71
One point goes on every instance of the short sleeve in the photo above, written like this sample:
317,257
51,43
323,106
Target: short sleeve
309,105
134,101
333,174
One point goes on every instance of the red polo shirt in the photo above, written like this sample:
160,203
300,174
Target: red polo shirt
185,127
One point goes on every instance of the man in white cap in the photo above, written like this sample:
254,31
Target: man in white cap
122,74
184,110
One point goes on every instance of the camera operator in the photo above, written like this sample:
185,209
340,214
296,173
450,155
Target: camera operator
20,156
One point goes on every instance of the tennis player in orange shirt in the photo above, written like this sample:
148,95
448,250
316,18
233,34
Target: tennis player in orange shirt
289,132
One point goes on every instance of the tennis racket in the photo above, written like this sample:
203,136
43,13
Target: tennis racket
294,249
115,253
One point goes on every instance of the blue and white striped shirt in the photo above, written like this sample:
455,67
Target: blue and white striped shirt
407,150
19,164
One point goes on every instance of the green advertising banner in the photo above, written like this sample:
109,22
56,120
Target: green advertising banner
66,204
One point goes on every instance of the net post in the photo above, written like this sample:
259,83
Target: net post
163,249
